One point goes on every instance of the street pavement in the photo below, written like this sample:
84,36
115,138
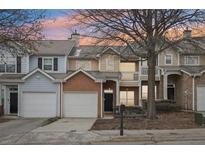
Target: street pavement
76,131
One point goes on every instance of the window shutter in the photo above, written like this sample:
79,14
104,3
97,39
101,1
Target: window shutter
18,64
40,63
55,64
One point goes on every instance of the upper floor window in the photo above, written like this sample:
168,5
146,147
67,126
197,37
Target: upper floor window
191,60
168,59
7,65
48,63
84,64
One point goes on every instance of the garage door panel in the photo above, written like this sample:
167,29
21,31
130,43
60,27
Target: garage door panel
200,98
80,104
38,104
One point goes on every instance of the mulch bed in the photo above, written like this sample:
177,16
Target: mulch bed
173,120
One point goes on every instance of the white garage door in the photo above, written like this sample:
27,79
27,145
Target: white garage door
80,104
200,98
38,104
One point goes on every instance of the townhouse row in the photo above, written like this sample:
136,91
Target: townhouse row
63,78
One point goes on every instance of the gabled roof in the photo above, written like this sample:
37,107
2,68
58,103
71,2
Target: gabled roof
107,49
40,71
193,70
54,47
78,71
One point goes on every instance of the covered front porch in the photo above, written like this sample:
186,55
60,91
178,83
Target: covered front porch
170,86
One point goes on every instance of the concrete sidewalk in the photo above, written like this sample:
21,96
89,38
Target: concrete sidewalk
153,136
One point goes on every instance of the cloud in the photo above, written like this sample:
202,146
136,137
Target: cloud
58,28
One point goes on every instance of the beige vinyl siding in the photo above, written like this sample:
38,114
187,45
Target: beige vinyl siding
113,59
202,59
169,52
72,64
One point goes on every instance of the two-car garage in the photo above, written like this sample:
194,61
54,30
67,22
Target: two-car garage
41,96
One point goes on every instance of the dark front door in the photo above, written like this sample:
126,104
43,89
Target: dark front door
13,102
108,106
170,93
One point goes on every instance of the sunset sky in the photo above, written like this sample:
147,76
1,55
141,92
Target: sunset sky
56,24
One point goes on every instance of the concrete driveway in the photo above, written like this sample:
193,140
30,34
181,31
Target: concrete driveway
68,125
16,128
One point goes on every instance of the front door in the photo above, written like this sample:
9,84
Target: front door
170,92
13,102
108,102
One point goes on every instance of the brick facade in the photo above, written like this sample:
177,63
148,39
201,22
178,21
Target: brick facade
81,82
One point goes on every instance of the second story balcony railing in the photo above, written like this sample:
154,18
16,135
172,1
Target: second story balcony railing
130,76
144,71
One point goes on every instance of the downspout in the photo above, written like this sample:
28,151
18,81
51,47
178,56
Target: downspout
193,92
101,106
61,106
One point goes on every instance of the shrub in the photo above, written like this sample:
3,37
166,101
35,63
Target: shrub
163,105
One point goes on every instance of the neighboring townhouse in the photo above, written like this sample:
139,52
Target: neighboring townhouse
67,79
30,84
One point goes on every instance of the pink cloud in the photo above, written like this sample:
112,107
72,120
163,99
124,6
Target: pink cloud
59,28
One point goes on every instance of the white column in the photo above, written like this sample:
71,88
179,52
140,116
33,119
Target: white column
117,92
165,86
101,103
193,93
140,95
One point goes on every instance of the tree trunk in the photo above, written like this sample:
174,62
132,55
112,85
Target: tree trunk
151,110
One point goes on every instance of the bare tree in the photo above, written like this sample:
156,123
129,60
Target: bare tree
18,28
145,32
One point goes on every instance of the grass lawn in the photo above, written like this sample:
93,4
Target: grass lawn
172,120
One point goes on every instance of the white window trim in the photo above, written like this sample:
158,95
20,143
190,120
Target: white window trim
126,99
165,62
15,63
43,63
185,60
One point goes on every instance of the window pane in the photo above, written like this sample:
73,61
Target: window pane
48,67
48,64
192,60
168,59
123,97
10,68
130,97
144,92
2,68
47,61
